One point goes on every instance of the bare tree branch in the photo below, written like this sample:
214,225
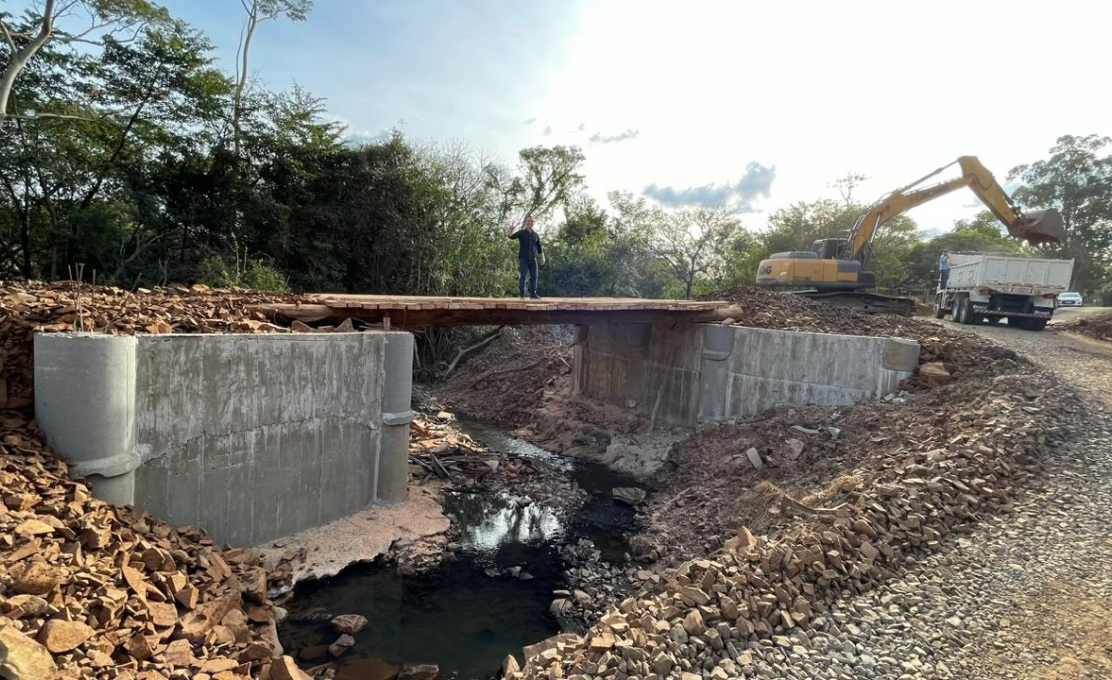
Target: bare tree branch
8,36
20,57
66,116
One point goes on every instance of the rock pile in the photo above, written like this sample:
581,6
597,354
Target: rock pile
88,590
65,307
718,616
1098,327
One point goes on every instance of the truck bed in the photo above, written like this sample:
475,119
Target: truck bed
1010,275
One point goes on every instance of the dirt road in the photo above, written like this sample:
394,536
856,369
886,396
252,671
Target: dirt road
1027,595
1066,314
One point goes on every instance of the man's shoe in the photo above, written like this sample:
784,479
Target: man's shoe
522,297
535,297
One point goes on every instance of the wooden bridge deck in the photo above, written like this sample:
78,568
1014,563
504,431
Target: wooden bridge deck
418,312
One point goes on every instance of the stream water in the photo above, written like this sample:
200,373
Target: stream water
490,601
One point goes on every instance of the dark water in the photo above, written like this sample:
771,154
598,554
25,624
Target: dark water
603,520
491,601
459,618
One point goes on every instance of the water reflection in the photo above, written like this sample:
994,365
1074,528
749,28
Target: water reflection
487,522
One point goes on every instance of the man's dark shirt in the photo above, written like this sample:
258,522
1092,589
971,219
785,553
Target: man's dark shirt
528,244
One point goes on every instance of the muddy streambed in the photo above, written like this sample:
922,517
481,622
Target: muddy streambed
490,597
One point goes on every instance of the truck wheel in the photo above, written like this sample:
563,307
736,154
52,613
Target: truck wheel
1035,324
939,310
965,311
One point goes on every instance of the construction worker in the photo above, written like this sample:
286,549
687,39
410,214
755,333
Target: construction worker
528,251
943,269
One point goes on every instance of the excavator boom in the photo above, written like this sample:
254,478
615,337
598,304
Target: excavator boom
1038,227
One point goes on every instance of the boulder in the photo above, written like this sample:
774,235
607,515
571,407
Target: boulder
39,579
341,645
348,624
23,658
629,495
286,669
935,374
425,671
60,636
754,458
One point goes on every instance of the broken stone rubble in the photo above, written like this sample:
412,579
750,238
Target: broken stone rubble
771,586
105,591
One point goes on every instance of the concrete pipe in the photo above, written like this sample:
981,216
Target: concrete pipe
392,476
85,404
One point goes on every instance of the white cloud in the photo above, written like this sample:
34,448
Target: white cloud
599,138
740,195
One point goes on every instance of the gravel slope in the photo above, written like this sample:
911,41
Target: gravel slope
1024,596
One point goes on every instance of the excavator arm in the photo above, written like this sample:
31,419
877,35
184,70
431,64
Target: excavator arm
1044,226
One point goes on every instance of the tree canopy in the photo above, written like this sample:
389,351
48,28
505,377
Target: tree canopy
126,151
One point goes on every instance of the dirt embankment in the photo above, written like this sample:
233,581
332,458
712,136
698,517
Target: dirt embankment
1096,327
933,470
507,383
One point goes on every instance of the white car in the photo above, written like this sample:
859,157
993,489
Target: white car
1069,300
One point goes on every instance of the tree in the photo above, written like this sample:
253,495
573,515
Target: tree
846,184
583,258
258,12
80,186
547,178
690,244
801,224
104,18
1076,180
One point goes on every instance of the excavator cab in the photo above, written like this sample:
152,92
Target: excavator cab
829,248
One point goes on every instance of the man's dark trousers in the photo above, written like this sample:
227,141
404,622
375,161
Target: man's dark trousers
527,266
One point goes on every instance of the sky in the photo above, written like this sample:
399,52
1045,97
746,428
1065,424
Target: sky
759,104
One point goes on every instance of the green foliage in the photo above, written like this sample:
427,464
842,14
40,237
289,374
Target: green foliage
256,275
1077,180
296,10
1104,296
167,169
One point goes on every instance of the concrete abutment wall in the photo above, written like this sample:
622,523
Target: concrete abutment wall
251,437
710,373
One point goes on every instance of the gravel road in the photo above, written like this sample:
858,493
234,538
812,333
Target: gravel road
1027,595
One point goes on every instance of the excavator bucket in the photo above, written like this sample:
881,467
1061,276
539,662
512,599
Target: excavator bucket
1039,226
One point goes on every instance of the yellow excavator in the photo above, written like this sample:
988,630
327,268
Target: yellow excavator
834,269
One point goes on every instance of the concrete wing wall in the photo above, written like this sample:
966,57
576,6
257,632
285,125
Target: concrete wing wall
707,373
250,437
749,370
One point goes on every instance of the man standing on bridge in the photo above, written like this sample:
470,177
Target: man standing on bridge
528,250
943,269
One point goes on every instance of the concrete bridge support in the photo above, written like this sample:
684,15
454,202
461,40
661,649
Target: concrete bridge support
251,437
696,373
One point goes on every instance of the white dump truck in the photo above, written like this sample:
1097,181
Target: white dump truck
1024,290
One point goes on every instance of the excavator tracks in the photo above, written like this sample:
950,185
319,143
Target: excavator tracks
867,303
